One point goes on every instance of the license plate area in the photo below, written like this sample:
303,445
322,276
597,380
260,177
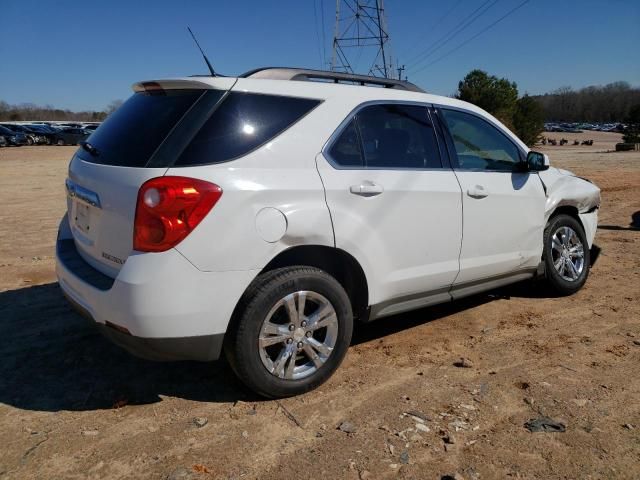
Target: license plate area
82,217
85,211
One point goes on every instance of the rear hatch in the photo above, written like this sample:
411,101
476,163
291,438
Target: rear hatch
137,142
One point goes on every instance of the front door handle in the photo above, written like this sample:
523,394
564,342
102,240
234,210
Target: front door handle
366,189
477,191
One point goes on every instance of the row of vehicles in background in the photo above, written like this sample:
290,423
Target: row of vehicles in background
44,133
580,127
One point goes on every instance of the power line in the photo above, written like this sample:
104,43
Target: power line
430,30
324,43
315,23
464,24
513,10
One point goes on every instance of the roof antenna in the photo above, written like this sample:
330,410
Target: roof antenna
213,73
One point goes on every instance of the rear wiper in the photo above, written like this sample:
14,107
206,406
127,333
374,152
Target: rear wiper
90,148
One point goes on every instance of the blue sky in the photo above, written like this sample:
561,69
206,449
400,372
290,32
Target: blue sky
84,54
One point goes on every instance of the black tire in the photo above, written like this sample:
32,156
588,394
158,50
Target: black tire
555,280
241,341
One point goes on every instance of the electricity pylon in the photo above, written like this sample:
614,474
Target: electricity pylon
361,30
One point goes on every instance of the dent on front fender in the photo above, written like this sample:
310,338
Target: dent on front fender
563,189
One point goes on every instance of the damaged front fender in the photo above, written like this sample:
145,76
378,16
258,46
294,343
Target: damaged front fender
564,189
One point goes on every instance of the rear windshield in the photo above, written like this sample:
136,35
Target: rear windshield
131,134
242,123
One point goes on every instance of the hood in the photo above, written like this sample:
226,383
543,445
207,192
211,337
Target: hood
564,188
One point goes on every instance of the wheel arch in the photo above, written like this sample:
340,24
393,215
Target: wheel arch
337,263
570,210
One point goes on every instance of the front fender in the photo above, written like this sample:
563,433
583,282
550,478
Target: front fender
565,189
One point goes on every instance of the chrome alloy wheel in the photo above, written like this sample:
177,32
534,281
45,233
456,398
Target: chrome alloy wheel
298,335
568,253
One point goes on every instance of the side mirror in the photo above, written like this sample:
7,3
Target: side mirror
536,161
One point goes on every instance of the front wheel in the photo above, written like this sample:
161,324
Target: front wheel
566,255
292,331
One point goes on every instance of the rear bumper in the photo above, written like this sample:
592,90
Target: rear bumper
202,348
159,306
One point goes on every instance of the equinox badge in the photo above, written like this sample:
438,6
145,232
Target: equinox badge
80,193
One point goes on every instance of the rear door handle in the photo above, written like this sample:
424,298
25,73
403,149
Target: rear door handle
477,191
366,189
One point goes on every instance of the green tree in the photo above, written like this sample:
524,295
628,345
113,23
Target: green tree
528,119
498,96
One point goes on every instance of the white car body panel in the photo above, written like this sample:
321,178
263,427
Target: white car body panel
109,240
392,235
228,239
159,295
564,189
503,228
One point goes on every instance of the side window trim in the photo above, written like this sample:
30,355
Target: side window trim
450,145
353,115
441,138
183,132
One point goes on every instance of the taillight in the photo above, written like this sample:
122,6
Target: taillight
168,209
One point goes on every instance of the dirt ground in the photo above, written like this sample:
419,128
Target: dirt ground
74,406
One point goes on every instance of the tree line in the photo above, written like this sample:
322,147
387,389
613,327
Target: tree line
610,103
613,103
30,111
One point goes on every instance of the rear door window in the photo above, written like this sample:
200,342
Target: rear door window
131,134
398,136
392,136
242,123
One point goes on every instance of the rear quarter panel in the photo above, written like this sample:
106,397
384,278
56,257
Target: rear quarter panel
280,175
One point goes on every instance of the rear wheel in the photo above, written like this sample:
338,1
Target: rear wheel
566,255
293,331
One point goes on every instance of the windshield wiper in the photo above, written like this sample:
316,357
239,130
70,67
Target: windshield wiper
90,148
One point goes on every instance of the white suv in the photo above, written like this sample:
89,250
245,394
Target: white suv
262,215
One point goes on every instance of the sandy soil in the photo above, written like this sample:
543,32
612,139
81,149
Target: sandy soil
74,406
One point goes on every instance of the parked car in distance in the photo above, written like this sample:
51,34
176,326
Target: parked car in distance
34,136
260,216
46,132
13,138
69,136
20,129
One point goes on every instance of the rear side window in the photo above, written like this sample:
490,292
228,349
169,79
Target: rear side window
388,136
131,134
242,123
479,145
398,136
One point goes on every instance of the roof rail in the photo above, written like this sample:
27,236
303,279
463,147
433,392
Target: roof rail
309,75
